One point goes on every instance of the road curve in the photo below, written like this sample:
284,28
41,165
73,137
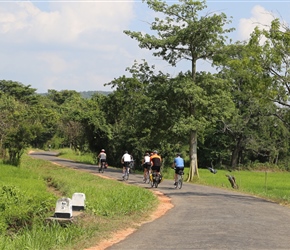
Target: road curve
203,218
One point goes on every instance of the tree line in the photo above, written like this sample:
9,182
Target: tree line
238,116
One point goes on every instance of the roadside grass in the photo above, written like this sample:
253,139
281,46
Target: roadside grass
36,185
87,158
274,186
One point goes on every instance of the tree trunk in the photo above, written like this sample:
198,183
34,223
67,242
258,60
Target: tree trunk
193,170
236,154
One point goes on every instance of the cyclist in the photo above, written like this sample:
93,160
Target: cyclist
146,165
178,164
156,160
126,160
102,157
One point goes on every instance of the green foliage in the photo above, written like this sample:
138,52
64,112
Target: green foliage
256,127
16,130
183,33
21,93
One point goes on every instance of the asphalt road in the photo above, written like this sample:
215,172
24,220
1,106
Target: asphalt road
203,218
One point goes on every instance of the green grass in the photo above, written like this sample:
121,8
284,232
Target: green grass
274,186
33,190
67,153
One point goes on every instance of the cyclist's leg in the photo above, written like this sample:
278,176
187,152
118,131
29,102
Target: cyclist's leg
158,173
176,175
124,169
153,171
144,172
128,171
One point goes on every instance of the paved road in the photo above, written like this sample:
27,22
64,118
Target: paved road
204,218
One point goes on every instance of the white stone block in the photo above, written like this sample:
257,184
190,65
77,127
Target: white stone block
63,208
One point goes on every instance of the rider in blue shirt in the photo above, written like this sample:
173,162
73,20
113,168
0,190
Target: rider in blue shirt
178,164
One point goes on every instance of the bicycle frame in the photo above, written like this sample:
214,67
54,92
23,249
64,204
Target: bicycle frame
127,173
155,179
147,176
102,167
179,182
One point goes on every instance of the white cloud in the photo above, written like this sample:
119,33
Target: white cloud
68,45
55,63
260,18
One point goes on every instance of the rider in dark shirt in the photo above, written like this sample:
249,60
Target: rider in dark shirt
155,162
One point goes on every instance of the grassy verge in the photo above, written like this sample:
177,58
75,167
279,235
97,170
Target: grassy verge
270,185
33,190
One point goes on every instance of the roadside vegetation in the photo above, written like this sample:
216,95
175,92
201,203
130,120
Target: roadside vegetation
29,195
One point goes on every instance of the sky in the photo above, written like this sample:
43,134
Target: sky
80,45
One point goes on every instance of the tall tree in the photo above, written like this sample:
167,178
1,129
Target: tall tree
184,34
275,58
16,131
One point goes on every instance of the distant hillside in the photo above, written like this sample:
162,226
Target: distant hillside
88,94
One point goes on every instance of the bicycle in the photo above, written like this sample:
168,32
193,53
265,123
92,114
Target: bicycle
102,166
155,179
179,182
147,176
126,174
132,166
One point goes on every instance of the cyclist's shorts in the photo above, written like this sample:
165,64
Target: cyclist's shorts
156,168
147,165
178,168
103,160
126,164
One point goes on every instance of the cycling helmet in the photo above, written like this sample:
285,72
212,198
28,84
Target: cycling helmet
103,150
155,152
126,152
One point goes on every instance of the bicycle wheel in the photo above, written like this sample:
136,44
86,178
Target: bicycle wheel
175,185
102,167
152,178
180,182
147,180
156,182
127,174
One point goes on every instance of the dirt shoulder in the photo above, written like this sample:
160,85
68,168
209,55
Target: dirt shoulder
163,206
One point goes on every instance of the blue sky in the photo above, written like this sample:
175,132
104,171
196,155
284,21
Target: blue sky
80,45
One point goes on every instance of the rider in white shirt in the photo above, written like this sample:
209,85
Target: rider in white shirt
126,160
102,157
146,165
